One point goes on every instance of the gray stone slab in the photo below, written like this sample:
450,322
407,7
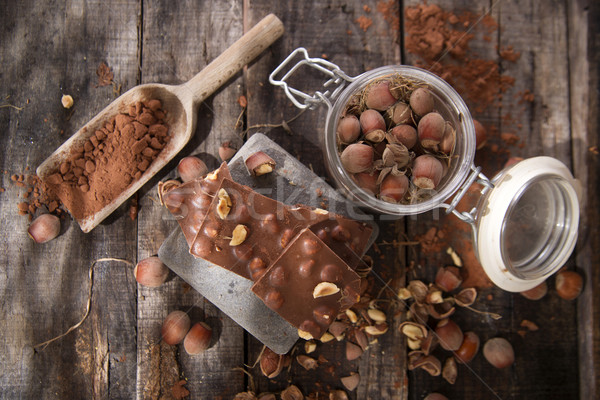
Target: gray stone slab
292,183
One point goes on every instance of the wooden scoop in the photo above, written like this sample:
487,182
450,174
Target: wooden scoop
180,103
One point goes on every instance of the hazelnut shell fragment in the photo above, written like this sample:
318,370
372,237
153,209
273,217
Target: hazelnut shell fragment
259,164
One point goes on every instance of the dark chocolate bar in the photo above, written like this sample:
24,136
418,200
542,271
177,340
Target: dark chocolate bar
308,285
189,202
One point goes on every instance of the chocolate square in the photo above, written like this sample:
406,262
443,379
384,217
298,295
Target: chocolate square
290,285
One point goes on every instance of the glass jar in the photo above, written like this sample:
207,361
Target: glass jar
525,223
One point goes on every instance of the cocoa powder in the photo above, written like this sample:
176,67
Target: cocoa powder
441,39
112,159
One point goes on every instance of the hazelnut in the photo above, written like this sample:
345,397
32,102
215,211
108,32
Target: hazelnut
499,352
67,101
325,289
190,168
226,151
174,328
357,157
376,315
224,205
537,292
351,316
421,101
435,396
151,272
430,130
393,188
304,335
327,337
44,228
569,284
480,134
371,120
376,330
271,363
427,171
348,129
307,362
449,334
240,232
378,96
197,339
310,346
259,164
468,348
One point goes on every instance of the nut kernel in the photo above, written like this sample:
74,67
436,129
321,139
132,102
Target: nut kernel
67,101
304,335
325,289
321,211
327,337
309,347
376,315
413,330
263,169
351,316
375,330
240,232
224,205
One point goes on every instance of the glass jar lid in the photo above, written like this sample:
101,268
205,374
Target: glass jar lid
526,226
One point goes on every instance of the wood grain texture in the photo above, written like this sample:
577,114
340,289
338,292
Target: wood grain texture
542,126
45,290
178,41
584,42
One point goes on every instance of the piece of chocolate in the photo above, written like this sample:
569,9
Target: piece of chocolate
347,238
189,202
308,285
270,227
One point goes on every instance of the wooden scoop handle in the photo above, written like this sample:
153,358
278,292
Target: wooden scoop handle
232,60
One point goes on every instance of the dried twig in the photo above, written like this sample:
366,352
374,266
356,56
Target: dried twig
89,302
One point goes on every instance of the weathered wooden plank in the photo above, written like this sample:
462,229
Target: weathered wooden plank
543,128
45,289
539,33
583,75
178,41
332,30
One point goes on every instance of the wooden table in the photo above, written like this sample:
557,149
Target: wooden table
49,49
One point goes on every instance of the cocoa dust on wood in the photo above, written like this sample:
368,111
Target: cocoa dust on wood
113,158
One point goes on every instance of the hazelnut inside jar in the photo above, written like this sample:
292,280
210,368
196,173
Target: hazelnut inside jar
399,140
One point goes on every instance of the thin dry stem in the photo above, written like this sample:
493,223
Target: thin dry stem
88,304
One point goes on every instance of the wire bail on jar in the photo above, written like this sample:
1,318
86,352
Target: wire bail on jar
337,80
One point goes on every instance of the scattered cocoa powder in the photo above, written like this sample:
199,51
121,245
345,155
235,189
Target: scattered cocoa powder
364,22
433,34
37,196
112,159
105,75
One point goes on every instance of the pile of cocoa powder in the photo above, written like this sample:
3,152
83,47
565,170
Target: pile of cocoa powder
114,157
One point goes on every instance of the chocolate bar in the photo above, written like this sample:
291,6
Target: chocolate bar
189,202
267,227
308,285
